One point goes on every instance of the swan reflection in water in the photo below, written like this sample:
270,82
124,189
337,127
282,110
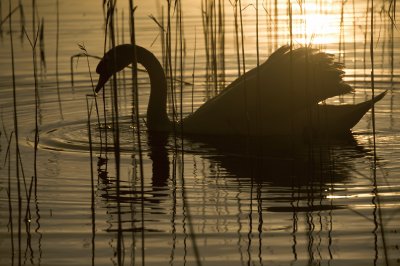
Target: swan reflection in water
293,185
314,167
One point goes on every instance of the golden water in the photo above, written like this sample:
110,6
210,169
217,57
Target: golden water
331,205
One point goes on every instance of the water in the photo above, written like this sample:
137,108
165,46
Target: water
332,204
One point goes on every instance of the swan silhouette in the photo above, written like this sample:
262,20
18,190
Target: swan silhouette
281,98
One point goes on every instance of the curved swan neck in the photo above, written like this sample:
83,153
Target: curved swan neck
157,118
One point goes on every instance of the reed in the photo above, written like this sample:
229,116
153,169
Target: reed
43,65
168,66
237,37
87,56
221,43
15,116
374,168
4,20
57,52
33,43
116,132
9,195
89,108
135,111
1,20
22,20
77,56
341,34
194,68
243,64
354,43
367,13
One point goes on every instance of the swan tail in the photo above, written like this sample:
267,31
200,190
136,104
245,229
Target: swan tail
340,119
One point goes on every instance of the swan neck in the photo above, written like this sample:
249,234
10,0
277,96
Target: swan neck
157,118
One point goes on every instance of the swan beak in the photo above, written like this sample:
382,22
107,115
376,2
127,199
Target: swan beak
102,81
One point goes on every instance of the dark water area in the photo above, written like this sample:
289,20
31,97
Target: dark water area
192,200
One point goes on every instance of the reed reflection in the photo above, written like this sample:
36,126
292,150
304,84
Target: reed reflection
281,182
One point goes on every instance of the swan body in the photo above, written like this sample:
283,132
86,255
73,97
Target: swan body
280,97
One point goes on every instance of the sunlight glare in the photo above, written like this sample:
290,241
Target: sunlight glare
317,26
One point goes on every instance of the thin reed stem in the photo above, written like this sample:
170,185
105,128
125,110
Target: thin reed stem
135,94
92,206
244,68
57,51
16,136
116,134
9,195
376,191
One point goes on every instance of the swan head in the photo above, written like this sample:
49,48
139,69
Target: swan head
113,61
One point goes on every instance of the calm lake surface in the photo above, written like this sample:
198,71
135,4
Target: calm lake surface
193,202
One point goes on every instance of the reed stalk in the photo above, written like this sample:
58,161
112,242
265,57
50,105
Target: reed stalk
123,72
237,38
205,23
214,47
22,20
375,184
258,118
247,118
43,65
185,203
135,94
169,69
366,36
92,206
194,68
57,51
85,53
4,20
341,34
181,62
116,133
35,35
17,171
221,35
354,43
1,20
276,24
9,195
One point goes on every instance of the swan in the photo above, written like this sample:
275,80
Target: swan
282,97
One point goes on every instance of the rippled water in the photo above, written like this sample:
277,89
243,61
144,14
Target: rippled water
212,202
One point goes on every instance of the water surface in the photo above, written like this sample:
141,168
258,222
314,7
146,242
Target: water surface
335,203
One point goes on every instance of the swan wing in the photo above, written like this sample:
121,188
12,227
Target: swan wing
305,76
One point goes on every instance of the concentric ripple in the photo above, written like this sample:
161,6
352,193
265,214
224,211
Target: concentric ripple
74,136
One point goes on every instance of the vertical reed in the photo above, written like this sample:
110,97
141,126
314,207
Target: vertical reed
354,43
341,34
22,20
43,66
276,24
169,69
194,68
34,62
17,171
376,191
116,132
244,67
237,38
135,94
92,206
1,21
9,195
366,35
221,42
57,50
